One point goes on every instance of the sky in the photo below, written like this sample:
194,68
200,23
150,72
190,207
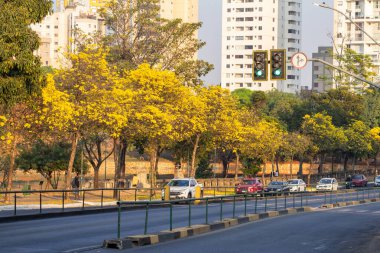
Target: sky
317,26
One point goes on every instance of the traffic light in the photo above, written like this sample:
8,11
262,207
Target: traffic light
277,64
260,66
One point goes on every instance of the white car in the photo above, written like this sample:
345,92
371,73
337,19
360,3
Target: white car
327,184
181,188
296,185
377,181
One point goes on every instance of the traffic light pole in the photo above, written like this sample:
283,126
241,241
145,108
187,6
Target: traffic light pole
345,71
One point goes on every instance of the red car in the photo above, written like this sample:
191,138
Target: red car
359,180
249,185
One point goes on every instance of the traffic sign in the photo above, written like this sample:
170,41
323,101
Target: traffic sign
299,60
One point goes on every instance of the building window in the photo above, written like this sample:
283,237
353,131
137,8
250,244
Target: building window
239,9
239,56
248,47
239,38
239,19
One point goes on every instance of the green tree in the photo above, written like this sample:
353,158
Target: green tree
342,104
324,134
140,36
244,96
49,160
357,64
20,71
359,142
371,110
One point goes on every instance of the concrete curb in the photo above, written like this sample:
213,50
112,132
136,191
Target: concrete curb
350,203
183,232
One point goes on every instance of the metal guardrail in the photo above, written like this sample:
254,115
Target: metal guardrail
98,197
289,200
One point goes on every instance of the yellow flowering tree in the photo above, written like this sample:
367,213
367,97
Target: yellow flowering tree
159,108
76,97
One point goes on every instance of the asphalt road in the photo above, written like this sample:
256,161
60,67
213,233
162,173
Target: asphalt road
67,234
351,229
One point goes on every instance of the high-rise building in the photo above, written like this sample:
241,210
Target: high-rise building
366,14
322,75
56,32
249,25
187,10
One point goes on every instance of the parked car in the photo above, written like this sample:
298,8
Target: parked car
377,181
327,184
277,187
249,185
181,188
359,180
296,185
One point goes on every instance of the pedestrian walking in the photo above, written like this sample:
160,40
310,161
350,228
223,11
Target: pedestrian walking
75,186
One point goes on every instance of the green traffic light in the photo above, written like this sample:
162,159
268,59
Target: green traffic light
259,73
277,72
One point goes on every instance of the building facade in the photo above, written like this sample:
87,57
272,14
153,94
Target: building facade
249,25
322,78
56,31
366,14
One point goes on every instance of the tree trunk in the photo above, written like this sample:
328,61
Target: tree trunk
96,176
263,175
74,144
153,161
225,167
321,161
9,182
123,152
300,168
277,166
375,163
272,172
345,164
353,164
237,165
193,156
291,166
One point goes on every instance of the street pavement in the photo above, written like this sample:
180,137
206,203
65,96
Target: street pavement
68,234
351,229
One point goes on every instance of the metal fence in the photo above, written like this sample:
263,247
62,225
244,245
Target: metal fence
45,201
262,202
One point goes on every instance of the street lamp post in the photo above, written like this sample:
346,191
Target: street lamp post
323,5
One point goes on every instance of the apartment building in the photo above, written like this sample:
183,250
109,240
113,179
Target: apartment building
249,25
56,32
366,14
322,75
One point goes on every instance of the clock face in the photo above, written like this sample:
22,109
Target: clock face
299,60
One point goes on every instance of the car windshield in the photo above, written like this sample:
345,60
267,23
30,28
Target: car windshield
325,181
357,177
293,182
378,177
251,181
179,183
277,183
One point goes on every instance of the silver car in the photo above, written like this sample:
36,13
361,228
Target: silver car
296,185
327,184
377,181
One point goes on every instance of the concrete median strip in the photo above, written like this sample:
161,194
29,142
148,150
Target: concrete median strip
350,203
183,232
